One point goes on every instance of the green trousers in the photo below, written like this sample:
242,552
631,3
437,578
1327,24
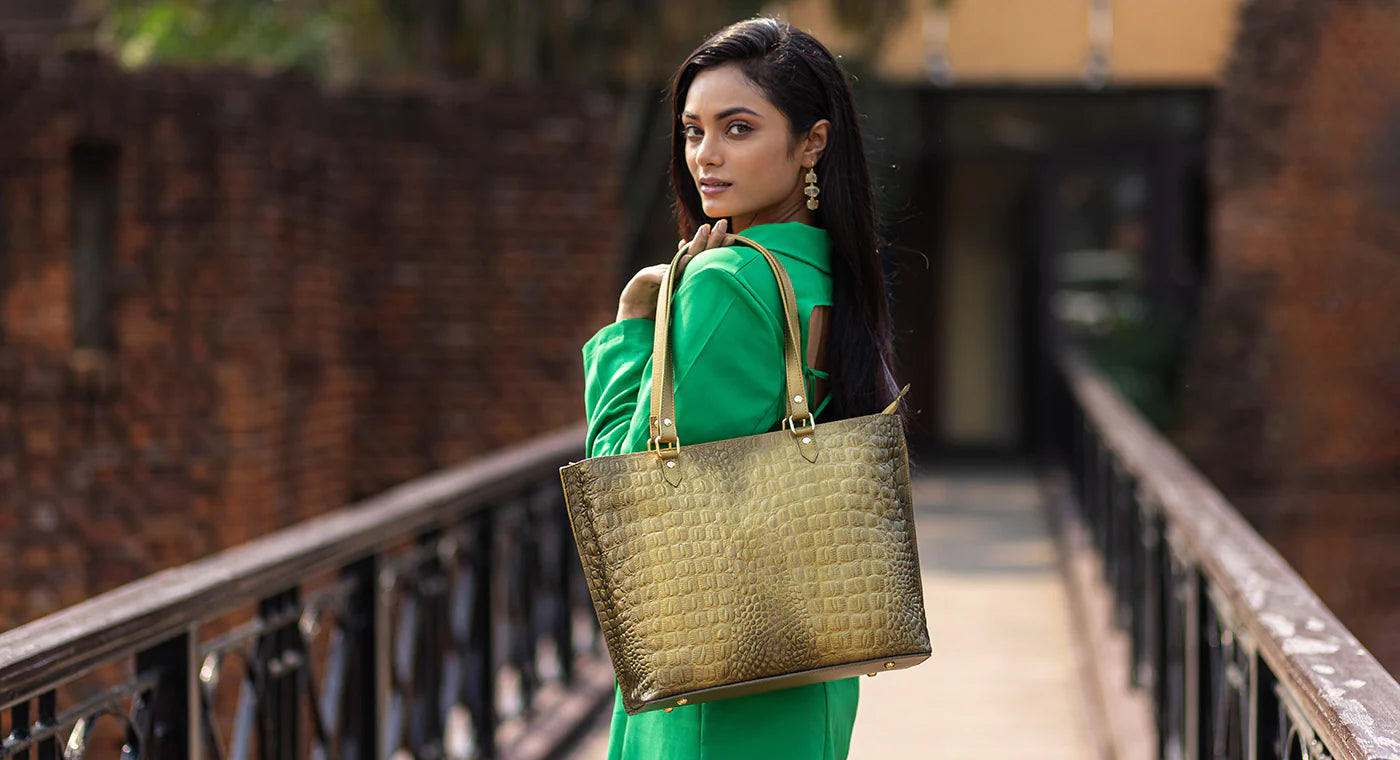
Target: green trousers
810,722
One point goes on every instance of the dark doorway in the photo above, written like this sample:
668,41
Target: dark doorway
1043,215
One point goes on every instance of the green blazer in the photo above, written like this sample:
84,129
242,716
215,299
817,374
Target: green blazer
726,340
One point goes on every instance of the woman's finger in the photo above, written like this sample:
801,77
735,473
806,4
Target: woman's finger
716,237
696,245
702,236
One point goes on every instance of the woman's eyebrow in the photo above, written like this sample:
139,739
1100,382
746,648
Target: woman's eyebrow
726,113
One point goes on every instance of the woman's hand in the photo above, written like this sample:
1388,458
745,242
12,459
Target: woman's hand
639,297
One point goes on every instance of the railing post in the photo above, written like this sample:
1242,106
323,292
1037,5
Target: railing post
1195,592
1147,666
383,656
427,721
173,705
1127,540
279,653
19,727
484,679
1108,515
48,715
1213,683
1264,742
563,586
361,717
522,576
1103,493
1171,703
1137,584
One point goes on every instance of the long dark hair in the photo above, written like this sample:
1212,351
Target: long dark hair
802,79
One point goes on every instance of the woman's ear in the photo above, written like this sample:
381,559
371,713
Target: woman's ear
814,144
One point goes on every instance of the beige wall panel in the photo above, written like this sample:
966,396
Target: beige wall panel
1001,40
1019,40
995,41
1171,40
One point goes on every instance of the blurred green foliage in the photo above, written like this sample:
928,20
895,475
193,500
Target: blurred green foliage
1142,359
267,35
608,42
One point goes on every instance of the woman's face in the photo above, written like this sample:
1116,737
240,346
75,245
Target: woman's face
741,153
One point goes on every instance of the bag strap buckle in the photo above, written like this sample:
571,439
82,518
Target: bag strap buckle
808,424
668,447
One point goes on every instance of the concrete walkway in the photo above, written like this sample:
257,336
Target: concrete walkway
1003,680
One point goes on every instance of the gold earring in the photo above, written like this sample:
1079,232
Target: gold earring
812,190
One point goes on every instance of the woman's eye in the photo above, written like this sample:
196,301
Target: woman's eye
692,131
739,128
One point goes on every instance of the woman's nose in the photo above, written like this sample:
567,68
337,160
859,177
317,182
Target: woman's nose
708,153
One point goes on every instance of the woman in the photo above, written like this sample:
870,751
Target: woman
759,108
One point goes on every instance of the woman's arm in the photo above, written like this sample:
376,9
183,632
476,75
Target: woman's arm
728,366
614,364
617,376
727,352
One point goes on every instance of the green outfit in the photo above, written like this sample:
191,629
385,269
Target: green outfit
726,339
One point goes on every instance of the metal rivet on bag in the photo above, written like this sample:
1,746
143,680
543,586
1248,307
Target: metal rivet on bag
797,399
670,463
872,675
666,422
889,665
681,701
668,709
806,439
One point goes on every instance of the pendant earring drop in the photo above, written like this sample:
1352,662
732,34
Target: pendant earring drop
811,190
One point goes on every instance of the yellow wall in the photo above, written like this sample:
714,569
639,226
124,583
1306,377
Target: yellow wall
1179,42
1013,40
1172,39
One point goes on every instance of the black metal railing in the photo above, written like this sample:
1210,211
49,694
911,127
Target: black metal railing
389,628
1241,658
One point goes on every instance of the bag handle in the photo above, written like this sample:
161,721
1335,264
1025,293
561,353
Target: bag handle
664,440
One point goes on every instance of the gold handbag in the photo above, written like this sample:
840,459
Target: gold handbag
755,563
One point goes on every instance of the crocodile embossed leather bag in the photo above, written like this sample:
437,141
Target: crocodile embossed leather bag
750,564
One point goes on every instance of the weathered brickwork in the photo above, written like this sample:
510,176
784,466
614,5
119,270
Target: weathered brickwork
1293,398
312,297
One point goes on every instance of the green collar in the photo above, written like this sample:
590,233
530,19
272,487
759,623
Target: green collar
795,239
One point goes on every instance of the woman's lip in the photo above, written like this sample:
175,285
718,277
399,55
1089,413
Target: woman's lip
711,189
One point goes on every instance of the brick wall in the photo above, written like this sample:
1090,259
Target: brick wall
310,297
1293,397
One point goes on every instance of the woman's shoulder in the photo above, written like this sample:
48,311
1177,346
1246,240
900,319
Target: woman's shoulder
733,260
741,267
729,272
